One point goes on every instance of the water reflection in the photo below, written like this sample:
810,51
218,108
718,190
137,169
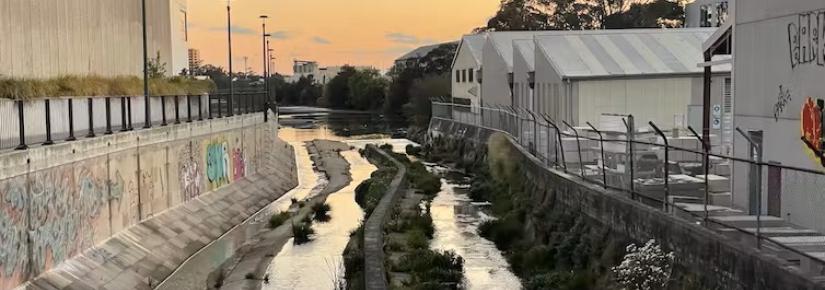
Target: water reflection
314,265
456,221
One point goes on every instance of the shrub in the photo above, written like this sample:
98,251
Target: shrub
413,150
429,267
417,240
321,212
646,267
302,233
278,219
504,232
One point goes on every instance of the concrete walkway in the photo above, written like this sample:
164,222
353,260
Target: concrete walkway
143,255
374,272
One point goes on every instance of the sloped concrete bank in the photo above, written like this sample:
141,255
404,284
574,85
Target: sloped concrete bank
716,260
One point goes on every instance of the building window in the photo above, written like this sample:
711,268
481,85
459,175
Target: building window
471,75
458,76
464,76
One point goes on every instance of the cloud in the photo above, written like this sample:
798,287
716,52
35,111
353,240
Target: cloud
235,30
321,40
280,35
402,38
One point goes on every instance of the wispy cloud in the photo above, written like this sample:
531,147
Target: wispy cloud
280,35
402,38
321,40
235,29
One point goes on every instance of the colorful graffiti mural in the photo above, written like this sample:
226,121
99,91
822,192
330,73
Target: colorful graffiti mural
811,126
189,174
238,164
218,164
13,248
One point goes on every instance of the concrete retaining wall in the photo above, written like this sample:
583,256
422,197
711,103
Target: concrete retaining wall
374,273
60,201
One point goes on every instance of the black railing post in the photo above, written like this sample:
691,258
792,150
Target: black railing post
706,166
229,108
189,108
123,114
91,133
604,161
162,110
200,107
579,145
71,120
547,119
21,127
108,116
129,99
48,108
665,202
265,108
630,143
177,109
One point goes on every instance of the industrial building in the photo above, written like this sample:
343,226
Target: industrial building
90,37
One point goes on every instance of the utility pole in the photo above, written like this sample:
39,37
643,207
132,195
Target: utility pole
229,37
264,41
147,110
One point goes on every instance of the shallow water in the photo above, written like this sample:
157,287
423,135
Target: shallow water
456,222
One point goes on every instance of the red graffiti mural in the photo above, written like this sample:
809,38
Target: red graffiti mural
811,120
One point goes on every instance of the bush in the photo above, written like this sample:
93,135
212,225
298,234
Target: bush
432,268
413,150
417,240
504,232
278,219
321,212
302,233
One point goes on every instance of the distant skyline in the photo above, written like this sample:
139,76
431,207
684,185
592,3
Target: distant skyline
332,32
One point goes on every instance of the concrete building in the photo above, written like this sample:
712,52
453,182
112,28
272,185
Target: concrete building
80,37
467,63
707,13
524,68
779,64
498,87
303,68
194,59
650,73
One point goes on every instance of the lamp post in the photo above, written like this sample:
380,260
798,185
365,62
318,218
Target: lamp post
147,122
229,37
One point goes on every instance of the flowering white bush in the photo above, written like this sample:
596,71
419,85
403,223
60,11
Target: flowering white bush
645,268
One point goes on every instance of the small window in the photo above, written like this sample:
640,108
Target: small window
458,76
464,76
471,75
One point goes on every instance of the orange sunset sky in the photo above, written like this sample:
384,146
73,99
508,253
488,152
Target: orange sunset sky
333,32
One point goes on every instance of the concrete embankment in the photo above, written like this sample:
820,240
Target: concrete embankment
123,211
255,257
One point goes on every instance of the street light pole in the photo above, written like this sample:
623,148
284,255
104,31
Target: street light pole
229,37
147,122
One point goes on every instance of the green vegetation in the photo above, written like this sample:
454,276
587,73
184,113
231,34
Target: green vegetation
432,269
278,219
89,86
302,232
320,212
370,192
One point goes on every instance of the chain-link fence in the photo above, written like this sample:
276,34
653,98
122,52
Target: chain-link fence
773,207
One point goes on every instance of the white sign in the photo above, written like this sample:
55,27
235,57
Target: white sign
716,123
717,111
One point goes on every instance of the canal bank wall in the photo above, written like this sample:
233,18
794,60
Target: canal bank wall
123,211
718,262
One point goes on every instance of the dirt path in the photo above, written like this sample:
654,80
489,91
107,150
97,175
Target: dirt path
254,259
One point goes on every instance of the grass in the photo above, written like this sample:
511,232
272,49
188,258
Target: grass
278,219
91,86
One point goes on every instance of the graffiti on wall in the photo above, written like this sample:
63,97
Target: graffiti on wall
238,164
64,211
218,164
782,101
811,125
806,39
189,172
13,251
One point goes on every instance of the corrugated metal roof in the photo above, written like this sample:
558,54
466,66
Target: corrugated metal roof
475,42
421,51
603,53
503,42
527,48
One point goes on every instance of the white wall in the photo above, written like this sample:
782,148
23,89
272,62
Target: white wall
766,59
523,94
495,88
178,11
465,60
46,38
550,90
660,100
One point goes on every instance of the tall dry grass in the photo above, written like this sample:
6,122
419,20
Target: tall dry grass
90,86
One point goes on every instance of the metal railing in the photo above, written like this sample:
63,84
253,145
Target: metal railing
724,193
48,120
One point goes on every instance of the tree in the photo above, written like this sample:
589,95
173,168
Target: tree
155,68
418,111
645,268
367,90
337,90
519,15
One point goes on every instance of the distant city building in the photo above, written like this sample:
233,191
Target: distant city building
321,75
195,60
707,13
64,38
467,62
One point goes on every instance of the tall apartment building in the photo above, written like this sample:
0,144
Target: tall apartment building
45,38
194,59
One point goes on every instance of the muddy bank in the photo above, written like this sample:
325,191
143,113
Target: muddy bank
250,267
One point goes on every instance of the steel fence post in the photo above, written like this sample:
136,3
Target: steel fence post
200,107
756,149
91,133
21,127
561,144
71,120
188,108
162,110
628,123
706,167
123,114
130,113
665,202
108,116
604,161
48,123
177,109
579,149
